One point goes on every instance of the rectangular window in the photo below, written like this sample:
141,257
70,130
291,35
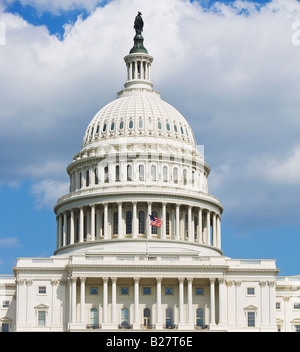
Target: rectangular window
169,290
5,304
93,290
124,290
199,291
42,290
250,291
297,328
42,318
277,305
251,319
147,290
296,305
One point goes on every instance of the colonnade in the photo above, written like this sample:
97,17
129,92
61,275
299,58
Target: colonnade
185,317
122,220
138,69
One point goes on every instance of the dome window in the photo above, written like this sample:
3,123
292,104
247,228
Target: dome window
121,125
141,173
159,125
130,124
112,126
140,123
129,173
165,174
181,130
175,128
104,128
168,126
97,131
153,173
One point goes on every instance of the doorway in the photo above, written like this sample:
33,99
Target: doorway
147,319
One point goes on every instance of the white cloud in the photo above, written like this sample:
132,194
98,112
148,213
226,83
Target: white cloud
9,242
235,77
48,191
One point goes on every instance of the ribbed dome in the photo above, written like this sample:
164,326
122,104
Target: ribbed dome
138,113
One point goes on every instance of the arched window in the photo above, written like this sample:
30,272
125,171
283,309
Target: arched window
129,172
115,223
199,317
117,176
80,180
128,222
124,317
185,177
130,124
142,222
175,175
141,172
106,175
195,227
104,128
140,123
186,226
193,178
121,125
169,318
159,125
87,178
153,173
154,228
165,174
93,317
112,126
168,126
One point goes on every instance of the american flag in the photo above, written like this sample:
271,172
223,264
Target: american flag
154,221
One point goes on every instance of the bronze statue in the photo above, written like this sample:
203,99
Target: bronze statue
138,24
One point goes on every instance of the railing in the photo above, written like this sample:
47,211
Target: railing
148,326
170,326
201,327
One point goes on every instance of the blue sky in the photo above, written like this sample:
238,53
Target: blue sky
63,61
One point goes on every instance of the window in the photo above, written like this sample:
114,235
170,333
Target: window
167,224
175,175
116,222
93,290
154,228
124,290
121,125
129,173
199,291
41,318
185,177
142,173
124,317
142,222
250,291
140,123
87,178
169,290
5,304
80,182
112,126
297,328
175,128
106,175
96,177
104,128
42,290
297,305
130,124
128,222
277,305
97,131
169,317
153,173
168,126
251,319
165,174
117,176
94,316
147,290
195,227
199,317
159,125
5,327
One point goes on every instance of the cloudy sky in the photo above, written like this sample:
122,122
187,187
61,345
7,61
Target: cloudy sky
230,67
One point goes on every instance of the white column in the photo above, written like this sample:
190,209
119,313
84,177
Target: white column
222,301
105,299
212,302
81,225
73,303
177,221
208,227
120,230
214,230
134,220
219,231
130,71
164,221
158,303
65,228
136,303
200,232
181,300
93,222
72,227
149,227
190,300
190,223
82,299
135,70
59,231
105,221
114,300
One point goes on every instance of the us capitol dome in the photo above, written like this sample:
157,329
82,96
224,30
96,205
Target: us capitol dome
138,234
